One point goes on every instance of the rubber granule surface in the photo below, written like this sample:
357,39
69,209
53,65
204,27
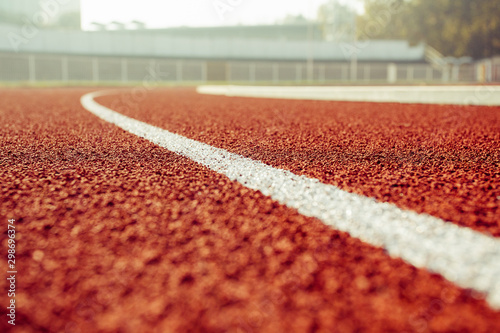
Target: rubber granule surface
115,234
437,159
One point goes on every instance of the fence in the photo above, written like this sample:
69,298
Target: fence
40,67
488,70
19,67
324,72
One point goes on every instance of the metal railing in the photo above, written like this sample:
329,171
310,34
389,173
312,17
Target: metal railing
20,67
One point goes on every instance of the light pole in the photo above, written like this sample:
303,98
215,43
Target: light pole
354,55
310,46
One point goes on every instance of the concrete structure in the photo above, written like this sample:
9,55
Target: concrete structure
455,95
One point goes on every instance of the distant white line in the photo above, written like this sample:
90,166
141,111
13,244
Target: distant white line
466,257
459,95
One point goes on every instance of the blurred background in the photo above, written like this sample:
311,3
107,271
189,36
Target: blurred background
249,42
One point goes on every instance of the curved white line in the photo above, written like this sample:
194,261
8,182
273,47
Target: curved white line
466,257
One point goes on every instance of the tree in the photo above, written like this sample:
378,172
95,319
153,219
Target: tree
454,27
338,21
384,19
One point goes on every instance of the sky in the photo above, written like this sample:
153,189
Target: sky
170,13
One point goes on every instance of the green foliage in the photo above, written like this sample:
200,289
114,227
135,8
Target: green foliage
453,27
337,21
384,19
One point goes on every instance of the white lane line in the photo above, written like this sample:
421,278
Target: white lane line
459,95
466,257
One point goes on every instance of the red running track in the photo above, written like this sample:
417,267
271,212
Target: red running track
441,160
117,234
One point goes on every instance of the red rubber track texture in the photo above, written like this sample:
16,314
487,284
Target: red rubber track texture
115,234
437,159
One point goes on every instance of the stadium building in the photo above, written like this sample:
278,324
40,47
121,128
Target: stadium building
267,53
